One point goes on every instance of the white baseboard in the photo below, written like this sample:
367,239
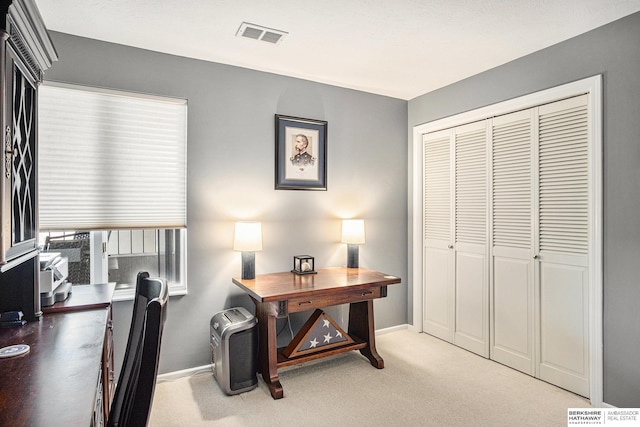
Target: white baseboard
185,373
391,329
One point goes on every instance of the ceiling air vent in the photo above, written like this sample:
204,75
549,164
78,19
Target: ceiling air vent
257,32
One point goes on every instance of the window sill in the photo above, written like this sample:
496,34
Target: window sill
127,293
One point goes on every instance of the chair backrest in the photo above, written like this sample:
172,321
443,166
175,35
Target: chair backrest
132,401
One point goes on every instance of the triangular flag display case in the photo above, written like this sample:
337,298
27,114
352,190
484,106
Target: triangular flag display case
319,333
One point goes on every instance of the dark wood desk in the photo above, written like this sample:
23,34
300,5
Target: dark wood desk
279,294
56,382
84,297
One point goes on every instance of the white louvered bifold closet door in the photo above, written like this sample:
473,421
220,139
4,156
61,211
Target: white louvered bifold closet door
438,257
512,330
563,243
471,270
507,244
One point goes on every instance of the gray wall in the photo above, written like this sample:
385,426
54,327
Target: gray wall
614,52
231,177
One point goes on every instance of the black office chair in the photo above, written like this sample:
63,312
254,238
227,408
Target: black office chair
131,404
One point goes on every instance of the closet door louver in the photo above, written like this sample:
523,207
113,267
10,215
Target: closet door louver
512,181
471,186
471,269
512,337
564,180
438,257
437,194
563,245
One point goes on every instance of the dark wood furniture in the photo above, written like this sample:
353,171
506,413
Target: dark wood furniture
60,381
279,294
26,52
87,297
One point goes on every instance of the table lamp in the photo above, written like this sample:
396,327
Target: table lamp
352,235
248,239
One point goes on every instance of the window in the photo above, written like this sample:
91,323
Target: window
161,252
113,164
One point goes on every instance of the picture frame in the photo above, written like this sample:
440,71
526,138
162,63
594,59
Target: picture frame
301,153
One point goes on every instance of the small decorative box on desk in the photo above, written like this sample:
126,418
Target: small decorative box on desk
303,264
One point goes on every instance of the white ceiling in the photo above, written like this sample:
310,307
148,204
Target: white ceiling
399,48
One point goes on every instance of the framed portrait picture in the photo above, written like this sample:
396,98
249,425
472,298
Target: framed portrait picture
301,153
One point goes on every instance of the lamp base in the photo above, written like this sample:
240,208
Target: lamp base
248,265
352,256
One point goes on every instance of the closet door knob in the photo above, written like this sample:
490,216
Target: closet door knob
450,246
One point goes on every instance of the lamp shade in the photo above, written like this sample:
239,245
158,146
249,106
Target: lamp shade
248,236
353,231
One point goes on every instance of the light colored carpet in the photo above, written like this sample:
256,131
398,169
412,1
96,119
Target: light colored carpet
425,382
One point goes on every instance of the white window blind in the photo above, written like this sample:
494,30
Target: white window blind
110,159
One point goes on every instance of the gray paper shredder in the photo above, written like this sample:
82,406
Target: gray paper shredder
234,350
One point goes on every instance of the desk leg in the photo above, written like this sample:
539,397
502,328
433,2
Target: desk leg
361,325
268,351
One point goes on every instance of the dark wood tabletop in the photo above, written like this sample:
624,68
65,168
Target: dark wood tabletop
84,297
279,286
54,384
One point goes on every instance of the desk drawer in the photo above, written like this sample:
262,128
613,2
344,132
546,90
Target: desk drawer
353,295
